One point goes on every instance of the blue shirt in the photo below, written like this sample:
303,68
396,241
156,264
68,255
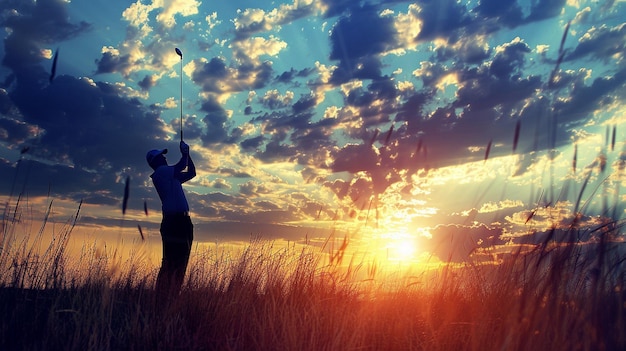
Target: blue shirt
170,190
168,181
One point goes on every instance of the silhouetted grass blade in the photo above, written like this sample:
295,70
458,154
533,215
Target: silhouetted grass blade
574,159
561,55
126,190
613,138
564,37
53,71
141,233
516,135
374,137
388,137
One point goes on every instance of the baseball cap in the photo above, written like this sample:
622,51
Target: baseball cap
154,153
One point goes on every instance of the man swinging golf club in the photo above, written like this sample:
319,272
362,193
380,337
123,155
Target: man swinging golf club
176,226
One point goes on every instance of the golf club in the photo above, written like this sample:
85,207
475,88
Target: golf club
180,53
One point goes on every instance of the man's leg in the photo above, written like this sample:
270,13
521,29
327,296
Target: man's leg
181,252
177,236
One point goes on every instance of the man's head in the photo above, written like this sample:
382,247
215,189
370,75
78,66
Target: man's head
155,158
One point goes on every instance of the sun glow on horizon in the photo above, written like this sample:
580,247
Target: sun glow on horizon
399,247
401,250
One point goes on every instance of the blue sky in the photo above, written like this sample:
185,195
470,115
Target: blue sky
369,117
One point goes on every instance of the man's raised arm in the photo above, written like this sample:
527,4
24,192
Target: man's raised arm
184,162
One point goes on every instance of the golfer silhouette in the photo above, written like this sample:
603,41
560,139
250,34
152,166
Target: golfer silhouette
176,226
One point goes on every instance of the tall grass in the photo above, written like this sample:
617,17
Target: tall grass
552,296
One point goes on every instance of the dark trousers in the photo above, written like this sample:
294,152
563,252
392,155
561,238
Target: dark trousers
177,236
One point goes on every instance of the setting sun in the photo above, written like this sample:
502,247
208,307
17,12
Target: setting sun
399,247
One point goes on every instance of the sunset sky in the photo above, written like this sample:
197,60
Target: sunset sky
410,126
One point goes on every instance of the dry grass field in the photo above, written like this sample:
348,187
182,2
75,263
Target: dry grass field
551,297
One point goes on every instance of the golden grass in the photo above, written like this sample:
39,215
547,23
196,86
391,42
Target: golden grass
556,297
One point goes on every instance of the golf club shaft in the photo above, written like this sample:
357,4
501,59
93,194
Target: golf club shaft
181,95
180,53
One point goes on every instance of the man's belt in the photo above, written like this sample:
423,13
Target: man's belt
176,214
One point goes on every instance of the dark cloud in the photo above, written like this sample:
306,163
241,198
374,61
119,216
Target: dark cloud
508,11
361,68
82,135
456,243
111,63
482,111
217,77
192,127
493,96
148,82
14,131
468,52
339,187
234,173
264,216
245,231
380,89
253,143
210,75
509,60
5,103
338,7
304,103
308,140
346,159
220,184
355,40
476,117
544,9
313,142
253,189
226,202
276,151
253,76
82,122
280,124
289,76
585,99
275,101
361,33
32,24
441,19
79,121
267,205
240,207
600,43
215,121
288,14
413,107
40,179
216,68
